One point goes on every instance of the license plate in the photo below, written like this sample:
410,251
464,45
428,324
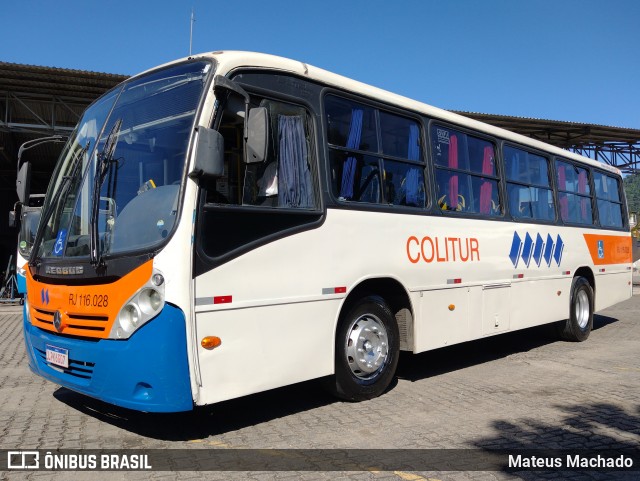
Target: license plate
57,356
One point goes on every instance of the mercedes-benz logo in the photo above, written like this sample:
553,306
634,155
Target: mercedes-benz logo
57,320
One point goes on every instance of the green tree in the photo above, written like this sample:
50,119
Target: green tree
632,189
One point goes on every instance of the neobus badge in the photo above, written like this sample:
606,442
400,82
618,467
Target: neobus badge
65,271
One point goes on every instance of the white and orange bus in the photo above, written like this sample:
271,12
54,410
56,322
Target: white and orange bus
234,222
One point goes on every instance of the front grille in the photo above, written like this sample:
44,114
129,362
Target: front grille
82,324
43,316
77,368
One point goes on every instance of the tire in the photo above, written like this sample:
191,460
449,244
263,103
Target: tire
370,329
578,327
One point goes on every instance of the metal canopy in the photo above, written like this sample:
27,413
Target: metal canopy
615,146
48,99
39,101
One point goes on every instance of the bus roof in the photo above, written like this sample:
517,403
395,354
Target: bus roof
230,60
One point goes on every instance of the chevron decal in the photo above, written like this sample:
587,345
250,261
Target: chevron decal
534,247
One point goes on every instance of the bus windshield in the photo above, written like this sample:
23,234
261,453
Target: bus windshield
116,187
28,227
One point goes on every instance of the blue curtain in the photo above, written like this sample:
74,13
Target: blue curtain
413,152
353,142
515,167
294,177
412,181
412,185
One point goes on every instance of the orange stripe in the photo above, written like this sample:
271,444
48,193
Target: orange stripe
87,311
616,249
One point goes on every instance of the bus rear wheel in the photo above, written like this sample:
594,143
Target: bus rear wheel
580,322
366,350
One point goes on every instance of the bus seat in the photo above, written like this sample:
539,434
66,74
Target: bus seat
146,219
268,185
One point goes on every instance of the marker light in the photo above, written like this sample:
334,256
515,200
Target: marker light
210,342
27,308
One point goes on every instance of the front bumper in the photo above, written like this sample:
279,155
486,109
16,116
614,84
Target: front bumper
147,372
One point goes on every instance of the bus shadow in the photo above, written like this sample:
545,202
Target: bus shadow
413,367
585,429
206,421
259,408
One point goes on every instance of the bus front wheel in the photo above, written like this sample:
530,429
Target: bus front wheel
366,350
580,322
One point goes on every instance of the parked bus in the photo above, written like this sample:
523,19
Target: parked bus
235,222
28,225
26,212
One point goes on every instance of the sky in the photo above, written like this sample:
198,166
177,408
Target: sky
571,60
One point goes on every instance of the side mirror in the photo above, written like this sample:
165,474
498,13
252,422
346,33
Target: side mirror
23,182
257,135
209,155
24,168
13,218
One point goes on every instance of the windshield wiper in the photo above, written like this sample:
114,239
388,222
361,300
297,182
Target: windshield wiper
62,190
104,161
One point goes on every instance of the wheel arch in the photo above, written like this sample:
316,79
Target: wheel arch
587,273
393,292
578,325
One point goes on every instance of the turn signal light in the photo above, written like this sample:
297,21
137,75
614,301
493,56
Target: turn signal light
210,342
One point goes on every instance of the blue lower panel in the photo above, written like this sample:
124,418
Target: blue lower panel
21,282
147,372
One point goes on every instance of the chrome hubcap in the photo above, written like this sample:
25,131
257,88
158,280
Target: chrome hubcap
582,309
367,346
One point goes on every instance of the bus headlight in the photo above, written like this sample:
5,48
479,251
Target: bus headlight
129,318
150,301
143,306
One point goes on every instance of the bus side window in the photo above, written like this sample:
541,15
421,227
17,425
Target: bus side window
466,175
404,182
285,179
574,193
608,200
528,185
375,156
228,188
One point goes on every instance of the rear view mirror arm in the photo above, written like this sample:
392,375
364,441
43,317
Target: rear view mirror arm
228,85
